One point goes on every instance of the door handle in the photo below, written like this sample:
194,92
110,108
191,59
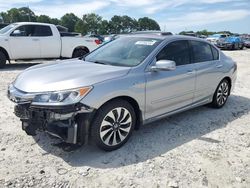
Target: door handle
219,66
35,39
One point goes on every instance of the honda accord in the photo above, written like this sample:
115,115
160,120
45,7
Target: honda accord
133,80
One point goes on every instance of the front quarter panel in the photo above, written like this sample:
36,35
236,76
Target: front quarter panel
132,85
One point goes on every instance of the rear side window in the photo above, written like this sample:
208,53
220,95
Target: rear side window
201,51
215,53
42,31
177,51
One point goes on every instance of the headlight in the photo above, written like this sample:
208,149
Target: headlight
61,97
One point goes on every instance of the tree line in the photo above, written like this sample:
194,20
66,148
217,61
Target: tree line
204,32
88,24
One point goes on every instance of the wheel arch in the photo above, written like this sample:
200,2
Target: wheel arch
229,81
134,104
80,47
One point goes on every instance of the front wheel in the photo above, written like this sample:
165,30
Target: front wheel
113,125
221,94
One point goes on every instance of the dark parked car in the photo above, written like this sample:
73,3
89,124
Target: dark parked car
231,43
247,42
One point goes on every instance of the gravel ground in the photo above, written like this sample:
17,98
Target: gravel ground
203,147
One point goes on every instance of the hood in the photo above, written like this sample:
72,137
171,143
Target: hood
68,74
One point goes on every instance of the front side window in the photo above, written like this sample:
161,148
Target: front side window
177,51
201,51
24,31
124,51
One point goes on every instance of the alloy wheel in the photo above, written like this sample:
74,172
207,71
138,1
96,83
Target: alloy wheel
115,126
222,93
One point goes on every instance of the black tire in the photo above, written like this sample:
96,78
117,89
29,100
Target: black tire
221,94
3,59
233,47
113,126
79,53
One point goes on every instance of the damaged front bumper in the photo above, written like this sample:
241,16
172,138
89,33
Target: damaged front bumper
69,123
64,122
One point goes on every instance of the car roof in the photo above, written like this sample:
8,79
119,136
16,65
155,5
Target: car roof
166,37
32,23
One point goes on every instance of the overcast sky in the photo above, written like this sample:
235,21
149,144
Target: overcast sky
172,15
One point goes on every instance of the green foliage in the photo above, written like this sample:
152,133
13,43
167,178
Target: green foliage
147,24
55,21
5,17
104,28
43,19
88,24
205,32
69,20
92,22
122,24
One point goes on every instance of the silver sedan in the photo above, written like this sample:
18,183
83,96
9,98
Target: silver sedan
133,80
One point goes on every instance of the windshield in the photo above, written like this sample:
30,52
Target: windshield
124,51
7,28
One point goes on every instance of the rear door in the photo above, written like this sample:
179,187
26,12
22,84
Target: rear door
206,61
50,43
167,91
23,43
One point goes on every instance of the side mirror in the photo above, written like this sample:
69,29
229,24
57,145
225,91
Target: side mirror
164,65
16,33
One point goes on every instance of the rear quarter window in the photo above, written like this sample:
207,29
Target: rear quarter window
42,31
215,53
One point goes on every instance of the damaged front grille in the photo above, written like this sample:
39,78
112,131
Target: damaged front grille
21,111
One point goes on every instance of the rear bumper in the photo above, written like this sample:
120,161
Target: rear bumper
69,123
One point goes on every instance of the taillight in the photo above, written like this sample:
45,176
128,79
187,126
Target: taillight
97,41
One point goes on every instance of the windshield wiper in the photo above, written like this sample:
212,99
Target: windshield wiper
99,62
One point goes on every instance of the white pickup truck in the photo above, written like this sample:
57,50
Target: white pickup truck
29,40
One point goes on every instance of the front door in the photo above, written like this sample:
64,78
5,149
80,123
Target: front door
23,43
167,91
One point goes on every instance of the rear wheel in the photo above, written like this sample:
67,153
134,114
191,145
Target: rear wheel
113,125
221,94
79,53
3,59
